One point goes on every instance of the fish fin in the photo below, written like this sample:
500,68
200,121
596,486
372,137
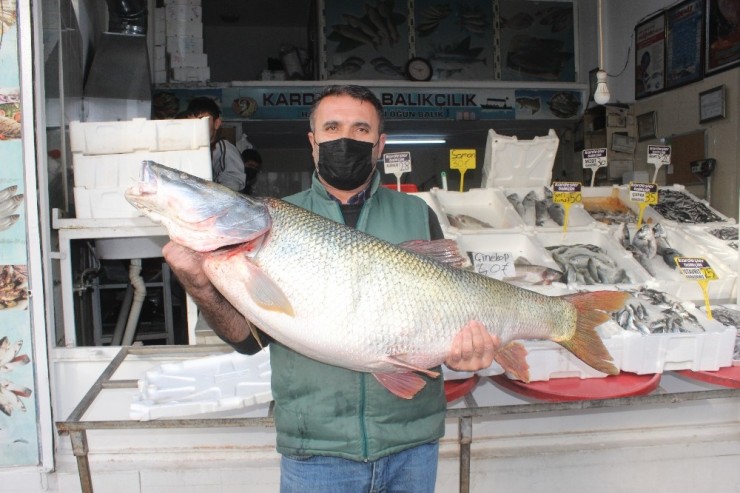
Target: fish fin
397,361
265,292
592,310
256,334
513,359
404,385
444,250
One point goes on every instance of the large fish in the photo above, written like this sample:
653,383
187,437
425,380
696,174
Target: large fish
348,299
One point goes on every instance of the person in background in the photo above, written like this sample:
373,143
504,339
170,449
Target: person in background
252,166
228,168
340,430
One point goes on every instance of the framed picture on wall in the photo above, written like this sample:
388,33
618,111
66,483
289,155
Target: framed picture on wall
712,104
684,45
650,56
647,126
723,36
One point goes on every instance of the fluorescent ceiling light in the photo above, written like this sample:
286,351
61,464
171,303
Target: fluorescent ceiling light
414,140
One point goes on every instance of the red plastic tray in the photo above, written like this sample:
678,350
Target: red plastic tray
454,389
726,377
405,187
577,389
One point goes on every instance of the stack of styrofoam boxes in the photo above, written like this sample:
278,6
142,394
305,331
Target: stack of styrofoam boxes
107,159
182,21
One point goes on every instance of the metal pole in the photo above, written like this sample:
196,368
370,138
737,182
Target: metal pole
79,448
465,433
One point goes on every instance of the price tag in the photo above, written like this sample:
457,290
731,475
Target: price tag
699,270
658,156
644,194
397,163
566,193
594,159
462,160
497,265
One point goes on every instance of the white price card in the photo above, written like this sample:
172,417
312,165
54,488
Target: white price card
498,265
397,162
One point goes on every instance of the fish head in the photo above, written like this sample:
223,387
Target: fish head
199,214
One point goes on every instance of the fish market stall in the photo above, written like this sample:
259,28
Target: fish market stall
477,448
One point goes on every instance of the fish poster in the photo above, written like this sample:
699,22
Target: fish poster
649,57
456,38
19,434
684,43
365,40
537,41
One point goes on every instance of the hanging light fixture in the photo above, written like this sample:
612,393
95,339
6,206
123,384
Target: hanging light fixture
601,95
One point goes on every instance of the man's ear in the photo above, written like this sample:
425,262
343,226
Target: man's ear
217,123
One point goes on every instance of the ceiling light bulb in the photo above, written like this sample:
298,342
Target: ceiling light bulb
601,95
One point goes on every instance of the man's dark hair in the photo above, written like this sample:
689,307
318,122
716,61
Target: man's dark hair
204,104
252,155
358,92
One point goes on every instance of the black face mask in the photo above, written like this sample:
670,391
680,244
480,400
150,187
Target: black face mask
251,174
344,163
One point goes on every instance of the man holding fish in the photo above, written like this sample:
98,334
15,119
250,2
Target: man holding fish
341,430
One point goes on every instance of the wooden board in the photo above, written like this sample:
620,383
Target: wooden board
685,149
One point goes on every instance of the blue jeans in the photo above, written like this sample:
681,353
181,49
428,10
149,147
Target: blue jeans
411,471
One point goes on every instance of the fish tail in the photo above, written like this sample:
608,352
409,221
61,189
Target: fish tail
592,310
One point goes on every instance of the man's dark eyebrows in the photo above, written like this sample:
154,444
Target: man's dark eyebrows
330,123
364,125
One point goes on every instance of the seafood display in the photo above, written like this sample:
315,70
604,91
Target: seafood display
13,285
10,201
680,207
11,393
731,318
649,311
465,221
647,243
588,264
535,211
278,291
609,210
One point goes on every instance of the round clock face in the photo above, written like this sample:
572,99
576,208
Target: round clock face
419,69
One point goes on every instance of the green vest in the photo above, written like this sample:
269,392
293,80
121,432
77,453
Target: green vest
326,410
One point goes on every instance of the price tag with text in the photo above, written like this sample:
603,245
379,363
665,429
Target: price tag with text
594,159
644,194
566,193
462,160
698,269
658,156
397,163
498,265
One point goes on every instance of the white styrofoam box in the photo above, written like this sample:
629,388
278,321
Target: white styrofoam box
605,242
692,202
188,60
510,162
203,385
610,204
577,216
184,28
508,247
122,170
656,353
486,205
436,208
715,312
182,13
184,44
726,250
138,134
193,74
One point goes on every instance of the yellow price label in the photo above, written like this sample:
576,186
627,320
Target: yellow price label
567,197
709,274
651,198
462,159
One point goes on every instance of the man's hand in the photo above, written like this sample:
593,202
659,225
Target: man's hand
472,349
187,265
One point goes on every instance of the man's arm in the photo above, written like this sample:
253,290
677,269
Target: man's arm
222,317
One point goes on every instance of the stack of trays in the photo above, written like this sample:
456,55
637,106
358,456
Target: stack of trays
107,158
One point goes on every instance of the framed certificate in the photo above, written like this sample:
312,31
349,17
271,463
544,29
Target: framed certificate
712,104
647,126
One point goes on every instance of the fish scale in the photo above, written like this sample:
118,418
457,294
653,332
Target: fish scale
360,284
346,298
